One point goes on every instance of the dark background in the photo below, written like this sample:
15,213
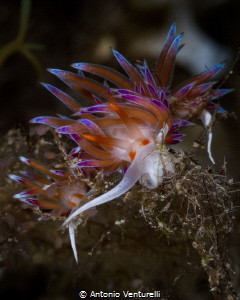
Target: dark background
83,31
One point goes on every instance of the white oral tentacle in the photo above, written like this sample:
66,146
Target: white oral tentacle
206,119
72,239
130,178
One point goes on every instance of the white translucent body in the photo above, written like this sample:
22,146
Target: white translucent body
149,166
155,167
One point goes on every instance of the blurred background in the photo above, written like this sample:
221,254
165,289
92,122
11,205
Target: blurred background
63,32
59,33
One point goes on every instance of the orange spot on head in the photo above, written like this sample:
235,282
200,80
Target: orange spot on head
73,204
145,142
132,155
78,196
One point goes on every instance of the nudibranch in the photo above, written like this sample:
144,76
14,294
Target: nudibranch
131,119
60,192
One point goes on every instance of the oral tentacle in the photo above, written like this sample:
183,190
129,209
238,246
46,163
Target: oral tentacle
131,176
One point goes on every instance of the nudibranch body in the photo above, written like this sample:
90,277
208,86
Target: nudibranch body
131,120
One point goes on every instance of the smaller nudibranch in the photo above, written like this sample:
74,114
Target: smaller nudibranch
62,192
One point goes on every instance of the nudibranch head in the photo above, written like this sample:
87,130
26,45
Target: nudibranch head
155,167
